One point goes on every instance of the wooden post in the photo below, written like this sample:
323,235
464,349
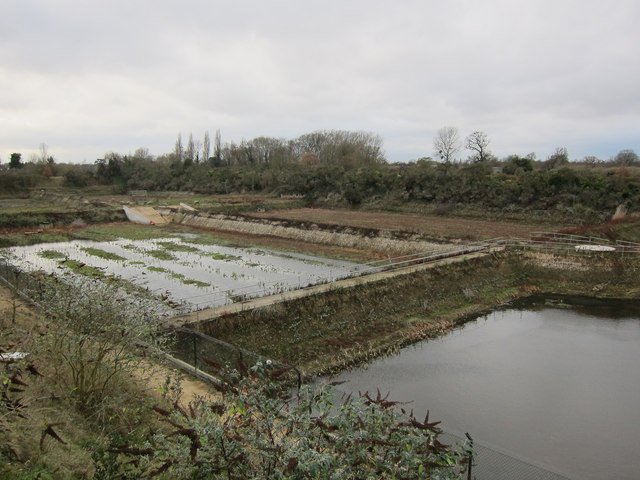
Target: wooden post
195,351
470,461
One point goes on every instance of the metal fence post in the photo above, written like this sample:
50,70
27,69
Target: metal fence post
470,461
195,351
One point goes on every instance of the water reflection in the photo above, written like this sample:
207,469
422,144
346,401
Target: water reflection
195,275
557,387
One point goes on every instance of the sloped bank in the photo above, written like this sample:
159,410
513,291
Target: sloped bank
381,241
337,329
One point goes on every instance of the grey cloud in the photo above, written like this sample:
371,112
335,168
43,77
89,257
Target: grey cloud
533,75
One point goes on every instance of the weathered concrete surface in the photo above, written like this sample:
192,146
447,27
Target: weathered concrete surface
145,215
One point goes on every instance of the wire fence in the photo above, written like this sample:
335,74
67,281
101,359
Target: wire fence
28,287
204,353
208,354
490,464
248,293
198,350
547,242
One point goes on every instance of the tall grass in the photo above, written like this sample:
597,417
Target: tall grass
347,240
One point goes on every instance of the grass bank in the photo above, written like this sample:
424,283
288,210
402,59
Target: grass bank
44,432
342,328
362,240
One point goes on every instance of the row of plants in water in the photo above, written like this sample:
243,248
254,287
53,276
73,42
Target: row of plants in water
179,270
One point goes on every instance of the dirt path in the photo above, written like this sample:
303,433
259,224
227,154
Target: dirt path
155,377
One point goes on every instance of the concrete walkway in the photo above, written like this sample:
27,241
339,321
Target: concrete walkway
145,215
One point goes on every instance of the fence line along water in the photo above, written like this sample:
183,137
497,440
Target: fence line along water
197,349
246,294
207,354
549,242
540,241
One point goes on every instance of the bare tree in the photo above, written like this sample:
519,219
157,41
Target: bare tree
197,148
478,142
447,143
206,146
178,149
44,154
558,159
342,147
626,158
190,151
217,147
142,153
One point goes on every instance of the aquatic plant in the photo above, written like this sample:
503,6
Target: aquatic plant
51,254
97,252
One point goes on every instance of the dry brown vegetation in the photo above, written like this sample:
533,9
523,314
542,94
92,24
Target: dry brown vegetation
329,331
332,330
43,433
429,226
344,239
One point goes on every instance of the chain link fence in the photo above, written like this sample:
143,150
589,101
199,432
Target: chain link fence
208,354
204,353
490,464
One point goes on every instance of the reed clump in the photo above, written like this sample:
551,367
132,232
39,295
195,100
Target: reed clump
324,237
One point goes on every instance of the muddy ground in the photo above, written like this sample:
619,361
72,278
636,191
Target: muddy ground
430,226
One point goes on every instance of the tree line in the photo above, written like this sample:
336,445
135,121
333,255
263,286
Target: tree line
346,168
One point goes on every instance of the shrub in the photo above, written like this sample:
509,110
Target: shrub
96,336
259,432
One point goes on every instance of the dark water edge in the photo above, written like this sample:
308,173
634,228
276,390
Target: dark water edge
606,308
551,380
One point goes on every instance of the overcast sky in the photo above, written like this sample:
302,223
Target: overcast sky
88,77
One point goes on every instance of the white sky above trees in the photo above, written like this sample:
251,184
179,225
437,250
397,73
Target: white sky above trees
87,77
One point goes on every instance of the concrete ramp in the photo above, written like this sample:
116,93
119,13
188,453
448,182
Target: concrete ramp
144,215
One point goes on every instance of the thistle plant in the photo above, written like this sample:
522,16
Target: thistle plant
260,431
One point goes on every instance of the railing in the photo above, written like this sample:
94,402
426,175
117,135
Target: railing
242,295
204,353
563,238
549,242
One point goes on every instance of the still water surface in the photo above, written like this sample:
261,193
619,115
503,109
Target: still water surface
196,275
556,387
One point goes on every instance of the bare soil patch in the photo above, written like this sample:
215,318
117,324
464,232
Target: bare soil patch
436,227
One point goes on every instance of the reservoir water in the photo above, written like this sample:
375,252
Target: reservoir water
558,388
